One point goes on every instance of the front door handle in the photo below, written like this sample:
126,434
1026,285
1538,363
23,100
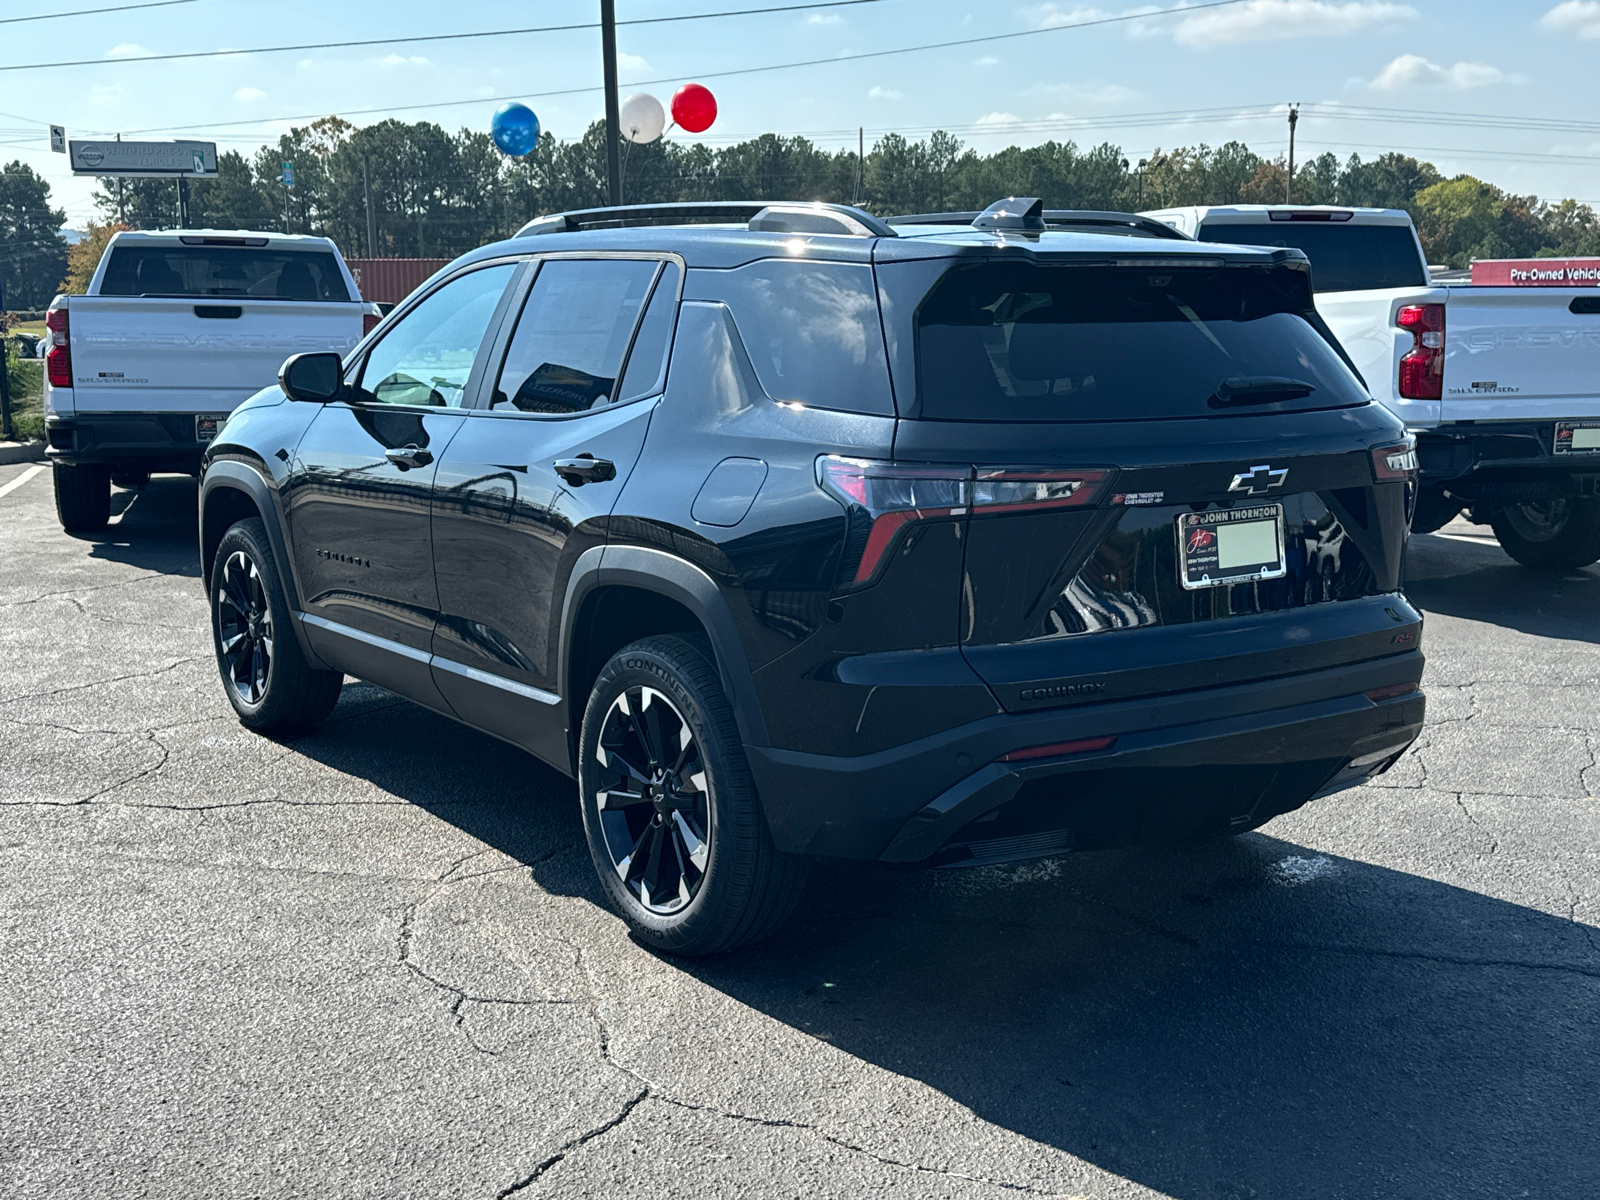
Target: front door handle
406,457
586,468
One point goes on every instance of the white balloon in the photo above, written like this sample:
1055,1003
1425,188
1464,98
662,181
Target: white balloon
642,118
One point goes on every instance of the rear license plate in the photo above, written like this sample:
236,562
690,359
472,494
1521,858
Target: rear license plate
1577,437
205,428
1231,545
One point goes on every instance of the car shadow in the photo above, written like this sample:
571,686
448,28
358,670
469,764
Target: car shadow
1248,1018
1479,581
153,529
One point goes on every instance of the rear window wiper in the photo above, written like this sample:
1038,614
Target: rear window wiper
1259,389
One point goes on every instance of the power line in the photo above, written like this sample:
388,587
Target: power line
88,12
809,62
433,37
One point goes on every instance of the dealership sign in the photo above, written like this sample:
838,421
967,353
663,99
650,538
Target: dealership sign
1536,272
144,159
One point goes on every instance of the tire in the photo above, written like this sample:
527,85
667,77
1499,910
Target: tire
1434,510
684,855
266,677
83,496
1551,535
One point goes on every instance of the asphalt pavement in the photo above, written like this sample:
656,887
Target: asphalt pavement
374,961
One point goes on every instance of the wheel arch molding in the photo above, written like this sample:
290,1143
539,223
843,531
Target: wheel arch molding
627,578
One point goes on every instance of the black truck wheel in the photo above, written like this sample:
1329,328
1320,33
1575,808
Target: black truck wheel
268,680
670,810
1552,535
83,497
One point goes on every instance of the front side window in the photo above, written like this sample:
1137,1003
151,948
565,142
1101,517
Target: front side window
425,359
245,272
572,335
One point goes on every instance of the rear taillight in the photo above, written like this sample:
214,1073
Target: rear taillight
1422,368
1396,463
893,495
58,359
1390,691
369,322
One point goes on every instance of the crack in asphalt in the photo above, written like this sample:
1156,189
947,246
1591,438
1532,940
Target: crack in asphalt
78,687
1453,960
568,1147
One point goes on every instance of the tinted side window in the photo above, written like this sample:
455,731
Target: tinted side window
574,329
426,357
257,274
811,329
647,361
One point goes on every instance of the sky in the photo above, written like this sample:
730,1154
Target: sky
1503,90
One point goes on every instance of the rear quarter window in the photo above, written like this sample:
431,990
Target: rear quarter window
1017,342
811,330
1344,257
246,272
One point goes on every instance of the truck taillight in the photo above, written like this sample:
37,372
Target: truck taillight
58,359
1395,463
892,495
369,321
1422,368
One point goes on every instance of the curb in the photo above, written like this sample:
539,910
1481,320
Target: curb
21,452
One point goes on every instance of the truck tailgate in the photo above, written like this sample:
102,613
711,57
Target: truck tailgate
1521,353
147,354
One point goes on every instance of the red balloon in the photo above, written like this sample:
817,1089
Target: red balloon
694,107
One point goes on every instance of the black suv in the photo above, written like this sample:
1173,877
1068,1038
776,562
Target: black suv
793,532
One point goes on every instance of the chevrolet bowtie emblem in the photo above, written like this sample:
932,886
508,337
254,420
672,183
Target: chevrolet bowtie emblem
1258,481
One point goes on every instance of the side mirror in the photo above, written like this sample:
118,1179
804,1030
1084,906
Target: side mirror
314,378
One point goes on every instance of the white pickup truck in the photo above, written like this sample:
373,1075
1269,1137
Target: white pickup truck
1500,385
177,329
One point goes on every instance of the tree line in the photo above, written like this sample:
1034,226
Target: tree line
436,194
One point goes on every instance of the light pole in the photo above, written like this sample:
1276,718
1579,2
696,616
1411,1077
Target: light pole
1288,184
608,55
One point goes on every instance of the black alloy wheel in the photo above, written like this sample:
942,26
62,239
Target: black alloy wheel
652,804
670,810
270,683
244,628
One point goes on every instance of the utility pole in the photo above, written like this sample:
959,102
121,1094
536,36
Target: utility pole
861,162
119,193
608,55
6,432
372,220
183,203
1143,163
1288,185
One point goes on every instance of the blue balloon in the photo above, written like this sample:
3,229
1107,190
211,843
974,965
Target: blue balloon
515,129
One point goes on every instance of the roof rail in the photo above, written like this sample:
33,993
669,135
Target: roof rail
773,217
1088,219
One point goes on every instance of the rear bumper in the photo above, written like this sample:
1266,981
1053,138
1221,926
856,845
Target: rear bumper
1205,762
1504,461
146,441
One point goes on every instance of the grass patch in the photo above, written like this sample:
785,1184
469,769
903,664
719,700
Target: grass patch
27,396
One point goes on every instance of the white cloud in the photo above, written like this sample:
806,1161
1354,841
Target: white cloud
1412,70
631,64
1581,17
988,60
126,50
1263,20
997,118
402,60
106,94
483,92
824,19
247,94
883,93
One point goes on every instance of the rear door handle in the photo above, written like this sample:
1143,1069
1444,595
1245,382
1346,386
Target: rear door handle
586,468
406,457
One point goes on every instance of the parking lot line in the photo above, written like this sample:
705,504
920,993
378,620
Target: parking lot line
19,481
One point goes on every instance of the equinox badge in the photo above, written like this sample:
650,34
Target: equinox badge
1258,481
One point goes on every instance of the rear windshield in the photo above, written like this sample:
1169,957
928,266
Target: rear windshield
1344,258
223,271
1030,343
